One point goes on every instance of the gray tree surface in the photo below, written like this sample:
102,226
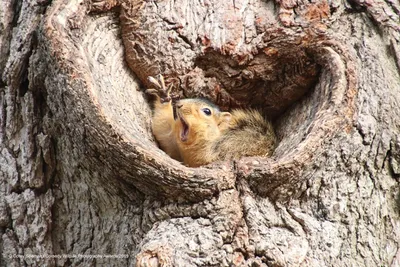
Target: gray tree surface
83,183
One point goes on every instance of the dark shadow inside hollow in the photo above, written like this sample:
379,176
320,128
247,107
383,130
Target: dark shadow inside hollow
281,83
271,80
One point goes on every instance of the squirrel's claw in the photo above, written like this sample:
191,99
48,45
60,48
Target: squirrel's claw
153,81
160,84
152,92
163,93
169,89
161,79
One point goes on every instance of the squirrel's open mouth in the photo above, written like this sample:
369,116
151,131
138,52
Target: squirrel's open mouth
185,127
184,130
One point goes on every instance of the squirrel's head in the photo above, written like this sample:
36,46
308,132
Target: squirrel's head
198,120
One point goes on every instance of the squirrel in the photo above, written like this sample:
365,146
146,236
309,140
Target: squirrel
195,131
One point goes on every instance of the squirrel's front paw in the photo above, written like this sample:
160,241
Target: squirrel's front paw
163,93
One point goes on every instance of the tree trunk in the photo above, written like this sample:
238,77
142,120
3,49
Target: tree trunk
83,182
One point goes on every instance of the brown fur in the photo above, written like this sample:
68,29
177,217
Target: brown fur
204,131
163,127
198,139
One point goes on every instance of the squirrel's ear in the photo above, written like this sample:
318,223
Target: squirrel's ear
225,116
224,119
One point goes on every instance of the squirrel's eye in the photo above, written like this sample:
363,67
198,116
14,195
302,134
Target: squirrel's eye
207,111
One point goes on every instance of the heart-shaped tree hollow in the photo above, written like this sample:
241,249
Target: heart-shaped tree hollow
304,82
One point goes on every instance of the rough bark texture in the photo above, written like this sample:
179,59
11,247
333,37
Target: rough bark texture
80,172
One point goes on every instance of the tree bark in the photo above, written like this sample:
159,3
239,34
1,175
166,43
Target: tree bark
84,183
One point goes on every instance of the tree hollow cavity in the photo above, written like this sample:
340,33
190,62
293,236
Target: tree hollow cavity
237,57
304,83
274,80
